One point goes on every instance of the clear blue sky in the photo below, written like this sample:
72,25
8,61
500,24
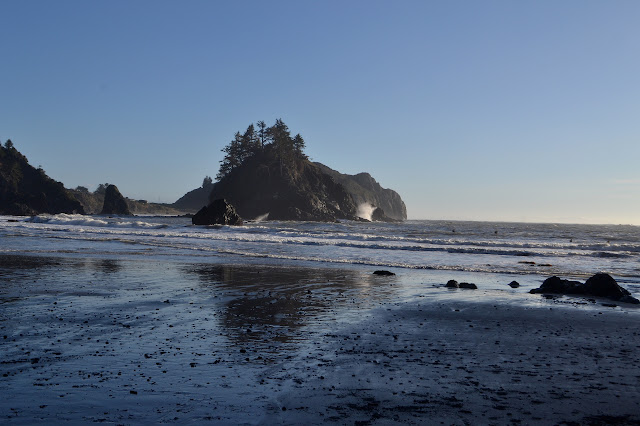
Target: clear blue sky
482,110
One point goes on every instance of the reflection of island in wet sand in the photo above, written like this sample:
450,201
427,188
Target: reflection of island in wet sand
271,304
128,342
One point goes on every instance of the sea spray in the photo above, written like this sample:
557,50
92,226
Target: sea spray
365,210
261,218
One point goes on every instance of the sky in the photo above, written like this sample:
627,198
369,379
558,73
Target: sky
470,110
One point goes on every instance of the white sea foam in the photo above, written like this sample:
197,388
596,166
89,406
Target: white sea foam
365,210
470,246
80,220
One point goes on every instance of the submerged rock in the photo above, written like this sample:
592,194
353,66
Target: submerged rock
514,284
470,286
114,202
218,212
601,285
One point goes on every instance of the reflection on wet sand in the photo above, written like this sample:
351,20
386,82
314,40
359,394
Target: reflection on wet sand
108,266
271,304
17,272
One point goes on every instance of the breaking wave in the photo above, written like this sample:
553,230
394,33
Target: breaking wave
469,246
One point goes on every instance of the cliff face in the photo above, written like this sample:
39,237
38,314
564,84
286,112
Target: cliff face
259,187
25,190
363,188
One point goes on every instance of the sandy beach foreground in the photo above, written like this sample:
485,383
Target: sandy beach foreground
147,342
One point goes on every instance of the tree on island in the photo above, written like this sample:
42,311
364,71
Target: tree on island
101,189
275,142
262,132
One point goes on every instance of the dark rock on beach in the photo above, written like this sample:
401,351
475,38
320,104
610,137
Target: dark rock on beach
560,286
218,212
455,284
514,284
604,285
600,285
114,202
470,286
383,273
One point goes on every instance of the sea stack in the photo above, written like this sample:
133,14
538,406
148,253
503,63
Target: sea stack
218,212
114,202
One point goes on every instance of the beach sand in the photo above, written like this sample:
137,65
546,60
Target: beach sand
145,342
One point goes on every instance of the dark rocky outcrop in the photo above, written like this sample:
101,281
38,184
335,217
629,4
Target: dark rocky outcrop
378,215
558,285
218,212
114,202
364,189
514,284
603,285
455,284
470,286
25,190
383,273
302,192
600,285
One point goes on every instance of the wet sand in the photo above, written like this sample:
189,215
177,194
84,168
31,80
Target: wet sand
147,342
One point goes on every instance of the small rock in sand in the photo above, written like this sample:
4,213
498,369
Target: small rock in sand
383,273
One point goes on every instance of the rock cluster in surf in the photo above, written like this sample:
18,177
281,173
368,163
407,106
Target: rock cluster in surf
218,212
599,285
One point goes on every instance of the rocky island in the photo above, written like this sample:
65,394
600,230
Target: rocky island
265,174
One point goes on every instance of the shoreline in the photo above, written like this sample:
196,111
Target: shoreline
146,341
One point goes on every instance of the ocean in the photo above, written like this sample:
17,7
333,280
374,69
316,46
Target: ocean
466,250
